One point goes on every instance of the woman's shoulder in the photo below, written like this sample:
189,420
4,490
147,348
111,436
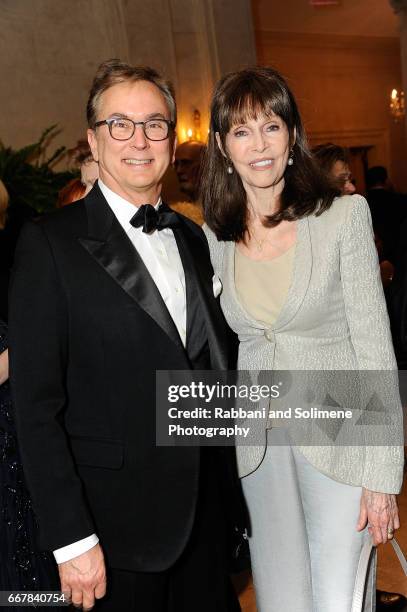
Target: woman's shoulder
342,210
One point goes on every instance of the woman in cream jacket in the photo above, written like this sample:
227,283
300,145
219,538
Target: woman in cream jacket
301,288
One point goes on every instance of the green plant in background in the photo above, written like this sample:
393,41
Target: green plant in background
29,176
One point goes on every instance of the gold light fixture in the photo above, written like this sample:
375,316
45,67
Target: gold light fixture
191,130
397,108
194,132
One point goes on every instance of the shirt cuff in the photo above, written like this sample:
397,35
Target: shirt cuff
66,553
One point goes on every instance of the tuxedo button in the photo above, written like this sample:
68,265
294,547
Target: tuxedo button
270,335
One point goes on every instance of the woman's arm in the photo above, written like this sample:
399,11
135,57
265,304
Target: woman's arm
3,366
365,305
369,328
368,322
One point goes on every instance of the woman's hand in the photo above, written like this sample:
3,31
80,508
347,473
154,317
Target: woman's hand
3,366
380,512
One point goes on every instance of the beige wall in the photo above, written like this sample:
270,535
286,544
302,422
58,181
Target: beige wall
342,84
49,50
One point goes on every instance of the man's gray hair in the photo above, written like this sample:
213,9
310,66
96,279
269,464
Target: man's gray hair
113,72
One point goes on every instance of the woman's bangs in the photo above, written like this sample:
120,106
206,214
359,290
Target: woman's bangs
251,105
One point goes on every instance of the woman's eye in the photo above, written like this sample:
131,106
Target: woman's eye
272,127
240,133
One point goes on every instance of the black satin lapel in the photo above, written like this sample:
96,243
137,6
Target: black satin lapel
198,278
117,255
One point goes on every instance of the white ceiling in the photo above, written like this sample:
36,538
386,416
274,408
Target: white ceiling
352,17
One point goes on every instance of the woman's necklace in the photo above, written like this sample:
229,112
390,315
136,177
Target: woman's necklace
260,243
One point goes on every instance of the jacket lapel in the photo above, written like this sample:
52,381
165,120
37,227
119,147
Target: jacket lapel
301,276
198,279
110,246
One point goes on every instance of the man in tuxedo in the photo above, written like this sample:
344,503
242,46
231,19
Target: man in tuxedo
104,293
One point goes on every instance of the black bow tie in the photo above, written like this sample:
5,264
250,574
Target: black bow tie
151,219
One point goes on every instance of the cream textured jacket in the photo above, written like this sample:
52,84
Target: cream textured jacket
334,318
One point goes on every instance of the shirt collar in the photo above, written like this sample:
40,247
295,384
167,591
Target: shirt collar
122,209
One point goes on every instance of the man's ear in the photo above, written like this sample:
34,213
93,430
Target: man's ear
93,144
219,143
174,148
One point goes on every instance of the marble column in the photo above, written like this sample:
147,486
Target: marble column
49,52
209,38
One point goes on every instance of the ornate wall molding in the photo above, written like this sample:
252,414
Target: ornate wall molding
326,41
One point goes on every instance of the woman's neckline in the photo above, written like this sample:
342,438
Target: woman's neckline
259,261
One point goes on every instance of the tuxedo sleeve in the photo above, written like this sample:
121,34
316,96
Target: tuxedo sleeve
38,334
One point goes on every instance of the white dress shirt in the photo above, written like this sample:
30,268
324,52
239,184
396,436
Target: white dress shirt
160,255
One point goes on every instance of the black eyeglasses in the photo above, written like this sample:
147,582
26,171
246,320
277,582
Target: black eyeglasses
123,129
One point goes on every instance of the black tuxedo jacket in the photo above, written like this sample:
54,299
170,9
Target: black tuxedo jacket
88,330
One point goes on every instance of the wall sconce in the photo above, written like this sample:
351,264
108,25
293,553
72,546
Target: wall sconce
397,108
191,130
195,132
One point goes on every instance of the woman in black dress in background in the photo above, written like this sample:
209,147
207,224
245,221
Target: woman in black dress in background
22,566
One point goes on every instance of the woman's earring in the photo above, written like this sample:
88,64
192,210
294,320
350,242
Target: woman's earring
291,158
229,169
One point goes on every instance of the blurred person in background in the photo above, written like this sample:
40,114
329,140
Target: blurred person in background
187,164
23,567
334,160
388,209
89,168
73,191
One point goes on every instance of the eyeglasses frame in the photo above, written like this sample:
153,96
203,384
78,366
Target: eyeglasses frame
110,121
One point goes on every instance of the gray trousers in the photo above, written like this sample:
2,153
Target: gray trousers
304,545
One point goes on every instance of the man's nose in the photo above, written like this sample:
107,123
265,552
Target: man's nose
139,139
